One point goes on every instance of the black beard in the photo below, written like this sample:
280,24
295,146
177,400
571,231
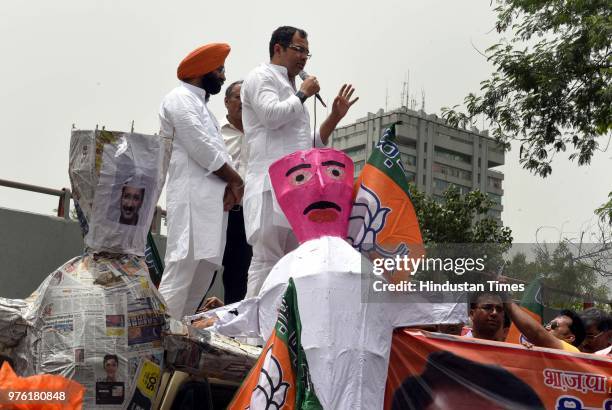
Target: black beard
211,83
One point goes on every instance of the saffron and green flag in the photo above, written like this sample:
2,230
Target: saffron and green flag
280,379
532,304
383,222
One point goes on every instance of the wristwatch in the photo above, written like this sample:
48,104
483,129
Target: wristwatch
301,96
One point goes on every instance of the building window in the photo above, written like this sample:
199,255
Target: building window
408,159
358,167
440,184
452,171
494,183
410,176
461,140
452,155
444,185
406,142
495,198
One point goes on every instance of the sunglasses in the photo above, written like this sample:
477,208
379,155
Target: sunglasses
553,324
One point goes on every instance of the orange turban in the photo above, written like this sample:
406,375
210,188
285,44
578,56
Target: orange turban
203,60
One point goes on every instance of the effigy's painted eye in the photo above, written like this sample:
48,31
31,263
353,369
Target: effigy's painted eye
300,177
335,171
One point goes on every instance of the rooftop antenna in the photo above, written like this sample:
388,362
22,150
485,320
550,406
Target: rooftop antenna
403,93
408,89
386,97
413,103
422,99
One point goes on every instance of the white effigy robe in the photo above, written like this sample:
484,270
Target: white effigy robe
347,341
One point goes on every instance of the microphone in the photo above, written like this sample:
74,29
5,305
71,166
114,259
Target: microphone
304,75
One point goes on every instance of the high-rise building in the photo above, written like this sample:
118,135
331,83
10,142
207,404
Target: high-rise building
434,154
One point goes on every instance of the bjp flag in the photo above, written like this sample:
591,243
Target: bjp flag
280,378
383,222
531,303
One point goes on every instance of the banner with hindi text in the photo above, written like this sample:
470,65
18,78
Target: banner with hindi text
455,372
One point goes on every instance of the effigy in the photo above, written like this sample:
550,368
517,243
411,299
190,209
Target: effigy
98,319
327,344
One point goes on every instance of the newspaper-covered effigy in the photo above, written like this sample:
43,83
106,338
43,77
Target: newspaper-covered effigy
116,180
98,319
13,329
95,320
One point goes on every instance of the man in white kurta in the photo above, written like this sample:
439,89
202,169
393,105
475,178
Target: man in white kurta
276,123
201,181
238,253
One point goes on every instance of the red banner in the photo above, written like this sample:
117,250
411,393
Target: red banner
453,372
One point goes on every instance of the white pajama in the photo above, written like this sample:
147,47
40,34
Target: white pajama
184,284
270,243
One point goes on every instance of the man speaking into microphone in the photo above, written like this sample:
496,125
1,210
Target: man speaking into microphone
276,123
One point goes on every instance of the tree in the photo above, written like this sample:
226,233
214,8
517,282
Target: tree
458,219
458,227
551,87
568,281
604,212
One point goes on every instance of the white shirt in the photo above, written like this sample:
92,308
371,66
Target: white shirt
276,123
194,196
236,147
605,352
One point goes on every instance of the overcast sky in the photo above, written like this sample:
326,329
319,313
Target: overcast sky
111,62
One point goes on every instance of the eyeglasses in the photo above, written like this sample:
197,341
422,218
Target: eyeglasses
490,308
553,324
300,50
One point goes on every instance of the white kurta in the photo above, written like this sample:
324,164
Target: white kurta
347,342
276,123
194,196
236,147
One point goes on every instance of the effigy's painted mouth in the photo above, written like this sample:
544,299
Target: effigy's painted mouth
322,211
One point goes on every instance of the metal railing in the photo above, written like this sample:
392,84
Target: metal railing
63,206
64,194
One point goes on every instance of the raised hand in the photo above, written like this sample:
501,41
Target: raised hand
343,102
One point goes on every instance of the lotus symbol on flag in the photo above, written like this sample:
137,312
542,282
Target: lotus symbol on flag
271,390
367,220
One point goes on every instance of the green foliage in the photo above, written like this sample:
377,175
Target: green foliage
605,211
551,87
568,281
462,220
459,219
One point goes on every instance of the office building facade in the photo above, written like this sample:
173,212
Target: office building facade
434,154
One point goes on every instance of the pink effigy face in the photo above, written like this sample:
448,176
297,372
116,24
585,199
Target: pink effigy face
314,189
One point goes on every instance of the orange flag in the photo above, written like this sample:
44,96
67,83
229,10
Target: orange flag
40,392
383,222
280,378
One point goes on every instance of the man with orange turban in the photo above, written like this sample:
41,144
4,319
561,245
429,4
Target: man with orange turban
202,182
